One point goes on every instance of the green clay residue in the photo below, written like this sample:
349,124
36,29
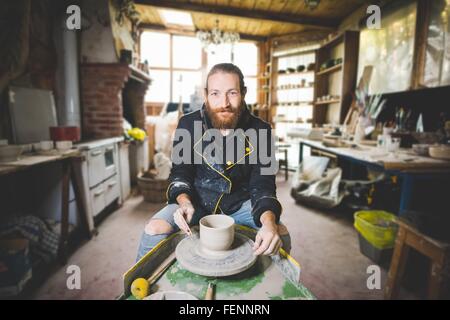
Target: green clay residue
197,285
290,291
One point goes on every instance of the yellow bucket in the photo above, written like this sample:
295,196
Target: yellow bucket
377,227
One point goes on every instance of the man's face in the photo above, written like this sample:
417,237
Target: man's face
224,100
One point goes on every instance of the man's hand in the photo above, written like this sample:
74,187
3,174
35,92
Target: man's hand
183,215
267,241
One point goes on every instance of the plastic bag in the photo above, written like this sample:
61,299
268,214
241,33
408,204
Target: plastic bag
164,131
315,187
162,166
311,169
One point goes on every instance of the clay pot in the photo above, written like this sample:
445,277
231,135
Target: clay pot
216,232
301,68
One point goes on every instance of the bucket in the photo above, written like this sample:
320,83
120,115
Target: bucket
153,190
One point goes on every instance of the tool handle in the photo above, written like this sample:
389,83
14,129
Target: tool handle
189,232
161,269
210,292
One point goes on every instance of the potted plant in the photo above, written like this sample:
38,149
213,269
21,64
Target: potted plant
138,152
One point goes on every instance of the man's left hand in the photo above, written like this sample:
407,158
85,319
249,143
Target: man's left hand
267,241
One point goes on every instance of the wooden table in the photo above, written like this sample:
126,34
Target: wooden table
404,163
69,174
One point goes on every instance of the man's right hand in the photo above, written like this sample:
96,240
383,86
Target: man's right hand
183,215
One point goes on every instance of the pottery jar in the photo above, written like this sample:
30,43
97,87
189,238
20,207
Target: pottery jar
216,232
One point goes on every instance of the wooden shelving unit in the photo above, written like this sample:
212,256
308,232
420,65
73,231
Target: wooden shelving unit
338,80
295,73
294,103
300,88
335,68
292,96
318,103
263,108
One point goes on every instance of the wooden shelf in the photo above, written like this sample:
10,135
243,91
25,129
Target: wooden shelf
294,73
139,74
294,104
306,87
333,41
330,70
289,121
327,102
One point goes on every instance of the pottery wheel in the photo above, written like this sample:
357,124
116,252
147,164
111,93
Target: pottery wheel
192,257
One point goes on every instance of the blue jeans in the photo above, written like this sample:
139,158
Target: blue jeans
243,217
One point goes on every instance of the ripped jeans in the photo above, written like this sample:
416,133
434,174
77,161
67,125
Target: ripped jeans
243,217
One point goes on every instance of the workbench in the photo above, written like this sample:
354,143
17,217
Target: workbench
70,174
409,167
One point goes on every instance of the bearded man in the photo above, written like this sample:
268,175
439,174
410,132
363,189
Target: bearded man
221,182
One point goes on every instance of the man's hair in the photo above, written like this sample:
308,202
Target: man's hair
227,68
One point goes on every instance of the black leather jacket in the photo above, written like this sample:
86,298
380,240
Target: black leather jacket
223,186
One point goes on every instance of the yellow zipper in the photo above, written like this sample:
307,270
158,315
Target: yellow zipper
217,204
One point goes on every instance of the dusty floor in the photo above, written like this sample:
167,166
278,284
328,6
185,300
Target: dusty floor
326,245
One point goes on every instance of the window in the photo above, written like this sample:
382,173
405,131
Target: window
159,90
390,49
173,75
437,64
187,53
176,65
245,56
176,17
184,83
156,57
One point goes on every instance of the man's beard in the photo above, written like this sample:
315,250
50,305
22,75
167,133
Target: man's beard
231,120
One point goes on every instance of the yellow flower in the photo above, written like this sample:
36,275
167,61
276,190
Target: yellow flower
137,134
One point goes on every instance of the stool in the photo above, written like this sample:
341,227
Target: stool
284,163
283,148
409,237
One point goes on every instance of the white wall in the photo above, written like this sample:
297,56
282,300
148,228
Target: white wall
97,41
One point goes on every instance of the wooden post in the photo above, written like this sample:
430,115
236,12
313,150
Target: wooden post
64,211
398,264
77,181
420,43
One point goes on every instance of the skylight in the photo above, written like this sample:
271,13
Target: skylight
176,17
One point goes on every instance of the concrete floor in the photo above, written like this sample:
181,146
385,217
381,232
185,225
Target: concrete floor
325,244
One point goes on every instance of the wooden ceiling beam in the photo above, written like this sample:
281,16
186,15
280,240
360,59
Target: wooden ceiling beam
242,13
152,26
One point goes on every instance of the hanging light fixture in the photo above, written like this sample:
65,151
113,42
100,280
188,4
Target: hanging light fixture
312,4
217,37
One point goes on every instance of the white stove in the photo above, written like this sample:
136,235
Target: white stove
102,174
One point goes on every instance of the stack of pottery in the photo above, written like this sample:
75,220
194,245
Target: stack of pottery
9,153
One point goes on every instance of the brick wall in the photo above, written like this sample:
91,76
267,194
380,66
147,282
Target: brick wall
101,97
134,96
